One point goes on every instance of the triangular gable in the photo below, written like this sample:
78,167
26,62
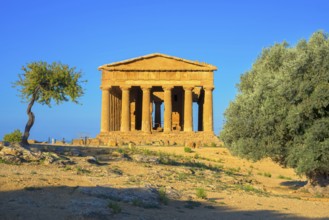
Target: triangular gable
157,62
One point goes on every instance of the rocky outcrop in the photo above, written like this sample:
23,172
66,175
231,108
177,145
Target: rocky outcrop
147,197
146,159
16,154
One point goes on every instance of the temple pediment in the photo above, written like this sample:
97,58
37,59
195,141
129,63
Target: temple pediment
158,62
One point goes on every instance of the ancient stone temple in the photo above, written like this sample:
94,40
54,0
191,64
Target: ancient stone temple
149,99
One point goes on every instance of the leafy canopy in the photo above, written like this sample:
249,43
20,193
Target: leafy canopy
49,82
282,108
14,137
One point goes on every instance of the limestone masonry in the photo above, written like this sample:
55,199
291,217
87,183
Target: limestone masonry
137,92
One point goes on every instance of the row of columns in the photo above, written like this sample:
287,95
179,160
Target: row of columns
146,120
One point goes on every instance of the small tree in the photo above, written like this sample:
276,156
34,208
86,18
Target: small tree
14,137
43,83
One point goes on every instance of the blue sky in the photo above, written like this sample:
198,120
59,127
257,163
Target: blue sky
87,34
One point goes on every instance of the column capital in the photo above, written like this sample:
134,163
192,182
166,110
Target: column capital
188,88
125,87
105,87
209,88
146,87
167,87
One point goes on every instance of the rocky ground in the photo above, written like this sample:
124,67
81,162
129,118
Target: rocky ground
149,182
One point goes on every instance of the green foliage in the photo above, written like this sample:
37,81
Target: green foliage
163,196
282,109
250,188
187,150
182,176
56,81
201,193
284,177
137,202
269,175
14,137
43,83
115,207
82,171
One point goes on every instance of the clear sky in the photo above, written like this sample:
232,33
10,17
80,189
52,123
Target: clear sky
86,34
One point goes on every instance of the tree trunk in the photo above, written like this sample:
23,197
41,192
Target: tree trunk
318,179
30,122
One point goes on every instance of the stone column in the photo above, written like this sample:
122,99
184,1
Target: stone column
167,109
105,117
207,109
157,118
125,109
111,112
146,123
200,116
188,112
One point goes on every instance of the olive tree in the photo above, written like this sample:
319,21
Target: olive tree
46,83
282,109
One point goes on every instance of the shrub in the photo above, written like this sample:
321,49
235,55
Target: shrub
163,196
267,175
137,202
187,150
201,193
284,177
82,171
115,207
14,137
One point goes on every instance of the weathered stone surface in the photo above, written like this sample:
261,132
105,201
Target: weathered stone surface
74,152
112,143
63,163
173,193
172,143
190,144
198,144
146,158
148,197
131,145
11,159
17,154
10,150
49,159
93,208
20,152
168,139
117,154
120,143
91,159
